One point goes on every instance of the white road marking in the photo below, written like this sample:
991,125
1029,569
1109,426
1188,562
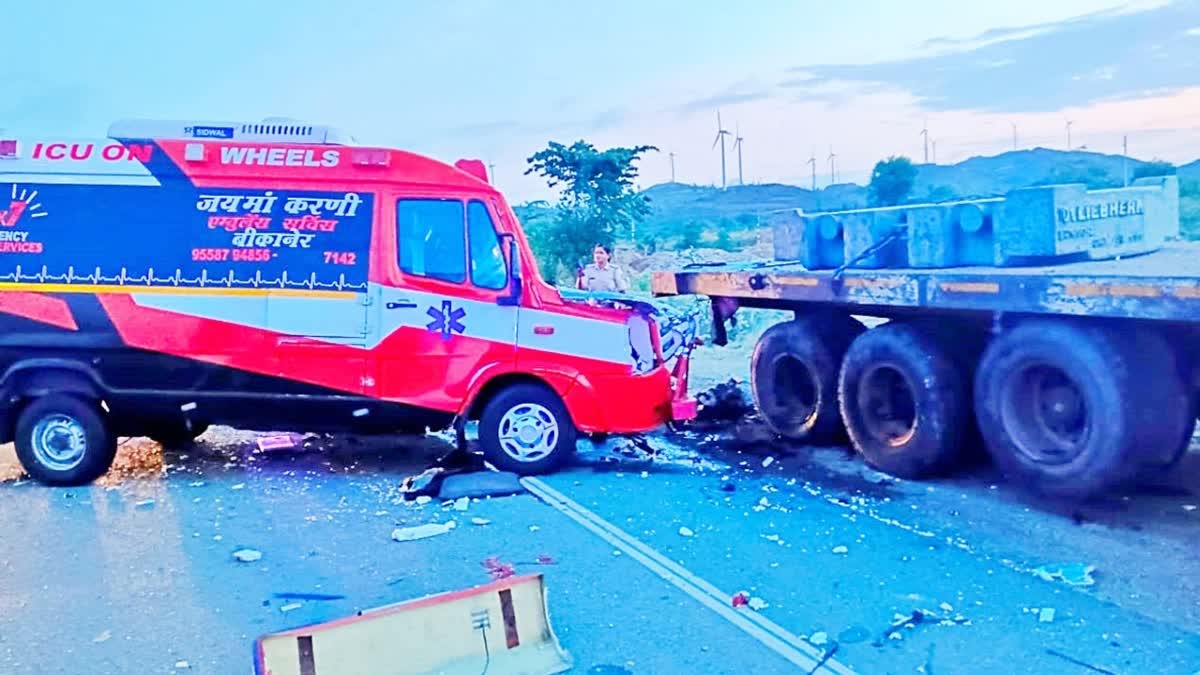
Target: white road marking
770,634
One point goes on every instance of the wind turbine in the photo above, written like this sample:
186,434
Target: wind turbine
721,134
1014,126
737,145
813,161
672,167
925,134
832,166
1069,123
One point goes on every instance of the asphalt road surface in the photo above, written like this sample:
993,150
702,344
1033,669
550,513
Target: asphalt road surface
137,575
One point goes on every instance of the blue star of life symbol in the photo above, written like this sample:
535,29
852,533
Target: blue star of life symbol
447,320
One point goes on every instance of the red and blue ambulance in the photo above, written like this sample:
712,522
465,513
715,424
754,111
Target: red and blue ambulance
277,275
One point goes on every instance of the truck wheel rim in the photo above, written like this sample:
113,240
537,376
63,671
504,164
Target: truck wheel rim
528,432
795,388
1045,414
59,442
887,405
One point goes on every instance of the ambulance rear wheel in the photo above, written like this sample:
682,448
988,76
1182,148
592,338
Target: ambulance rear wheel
526,429
63,440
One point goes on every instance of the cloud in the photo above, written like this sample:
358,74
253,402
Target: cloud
1042,67
746,91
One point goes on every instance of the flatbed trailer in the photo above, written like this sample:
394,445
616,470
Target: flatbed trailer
1075,376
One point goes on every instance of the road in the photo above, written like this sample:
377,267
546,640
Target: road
102,580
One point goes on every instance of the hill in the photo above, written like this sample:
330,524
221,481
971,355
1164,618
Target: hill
1190,171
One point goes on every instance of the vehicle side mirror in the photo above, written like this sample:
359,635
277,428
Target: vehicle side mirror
513,265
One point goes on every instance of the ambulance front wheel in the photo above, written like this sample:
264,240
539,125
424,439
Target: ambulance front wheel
64,440
526,429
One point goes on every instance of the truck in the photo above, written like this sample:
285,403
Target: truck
278,275
1055,327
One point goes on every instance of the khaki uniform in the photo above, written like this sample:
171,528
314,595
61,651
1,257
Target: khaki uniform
607,280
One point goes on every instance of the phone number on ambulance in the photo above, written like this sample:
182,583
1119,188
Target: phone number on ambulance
235,254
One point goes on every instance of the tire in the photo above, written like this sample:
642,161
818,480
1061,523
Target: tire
794,376
58,418
1162,382
177,435
531,407
1058,408
904,401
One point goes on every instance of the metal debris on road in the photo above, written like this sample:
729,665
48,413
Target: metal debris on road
480,521
840,550
1046,615
1074,574
480,484
145,503
292,606
271,442
247,555
422,531
686,532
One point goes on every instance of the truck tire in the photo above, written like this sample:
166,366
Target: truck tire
527,430
904,401
63,440
794,376
1057,406
177,435
1162,383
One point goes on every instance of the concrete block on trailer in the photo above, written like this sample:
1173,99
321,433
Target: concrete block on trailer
866,228
953,235
1069,222
813,240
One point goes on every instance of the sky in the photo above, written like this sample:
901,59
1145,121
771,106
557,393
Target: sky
498,79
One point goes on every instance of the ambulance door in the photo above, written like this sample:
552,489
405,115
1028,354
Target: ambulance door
441,308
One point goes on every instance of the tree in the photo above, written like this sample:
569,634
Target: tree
598,202
891,181
1154,168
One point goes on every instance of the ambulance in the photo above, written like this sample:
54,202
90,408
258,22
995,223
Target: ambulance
278,275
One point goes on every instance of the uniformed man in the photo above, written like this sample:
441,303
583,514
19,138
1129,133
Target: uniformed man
602,275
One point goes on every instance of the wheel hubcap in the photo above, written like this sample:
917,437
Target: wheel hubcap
887,405
59,442
528,432
1046,414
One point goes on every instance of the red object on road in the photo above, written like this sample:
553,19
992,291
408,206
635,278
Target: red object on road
740,600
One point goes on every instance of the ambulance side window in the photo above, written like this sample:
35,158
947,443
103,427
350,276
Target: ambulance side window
487,262
430,238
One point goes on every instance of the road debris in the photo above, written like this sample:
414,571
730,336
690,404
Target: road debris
1074,574
840,550
768,462
291,606
686,532
105,636
1046,615
308,596
422,531
246,555
480,521
819,638
757,604
424,484
270,442
144,504
498,570
182,665
1081,664
462,503
480,484
740,599
1189,507
534,528
238,486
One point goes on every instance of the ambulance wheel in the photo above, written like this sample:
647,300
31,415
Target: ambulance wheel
526,429
177,435
64,440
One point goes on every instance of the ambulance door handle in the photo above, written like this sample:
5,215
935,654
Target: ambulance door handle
402,304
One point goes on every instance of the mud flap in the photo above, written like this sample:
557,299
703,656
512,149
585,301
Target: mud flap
503,627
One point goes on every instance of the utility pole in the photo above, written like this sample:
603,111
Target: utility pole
492,173
934,142
1014,126
672,167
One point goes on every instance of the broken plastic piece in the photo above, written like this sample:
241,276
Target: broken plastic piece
686,532
422,531
740,599
1075,574
247,555
1046,615
498,570
277,442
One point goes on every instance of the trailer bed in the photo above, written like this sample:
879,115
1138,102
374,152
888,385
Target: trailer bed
1163,286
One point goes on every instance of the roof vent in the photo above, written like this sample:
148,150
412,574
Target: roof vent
272,129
